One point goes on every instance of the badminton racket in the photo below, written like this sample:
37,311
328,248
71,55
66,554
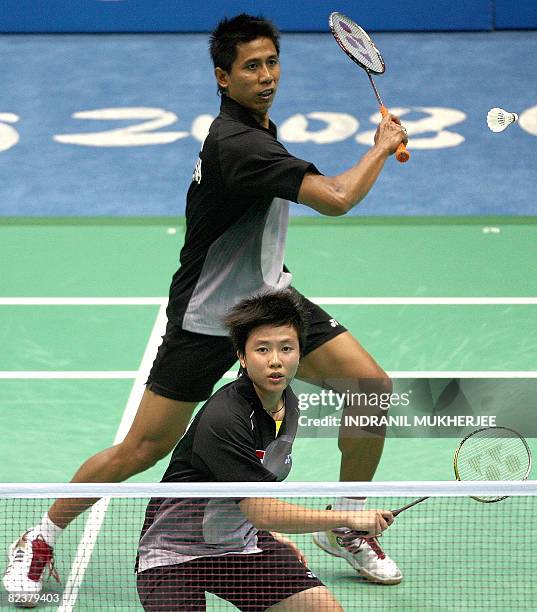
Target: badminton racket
491,453
357,44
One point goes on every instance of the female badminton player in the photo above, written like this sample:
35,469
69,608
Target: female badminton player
244,432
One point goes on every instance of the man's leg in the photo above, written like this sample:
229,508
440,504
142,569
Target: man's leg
343,365
187,365
158,425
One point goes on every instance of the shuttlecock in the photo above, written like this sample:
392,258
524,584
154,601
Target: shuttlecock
498,119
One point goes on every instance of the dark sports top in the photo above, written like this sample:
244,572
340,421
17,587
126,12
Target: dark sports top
236,220
231,439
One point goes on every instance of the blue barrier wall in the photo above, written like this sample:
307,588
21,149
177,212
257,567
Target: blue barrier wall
298,16
201,15
521,14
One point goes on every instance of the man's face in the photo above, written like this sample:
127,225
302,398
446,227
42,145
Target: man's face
254,75
271,357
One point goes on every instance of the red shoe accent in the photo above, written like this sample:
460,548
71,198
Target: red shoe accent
41,557
374,544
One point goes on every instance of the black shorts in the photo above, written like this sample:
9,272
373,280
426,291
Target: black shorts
188,365
252,583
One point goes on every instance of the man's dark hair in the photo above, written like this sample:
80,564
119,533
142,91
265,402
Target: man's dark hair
275,308
232,32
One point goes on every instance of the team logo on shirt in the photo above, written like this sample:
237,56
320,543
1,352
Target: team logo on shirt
197,172
260,454
197,169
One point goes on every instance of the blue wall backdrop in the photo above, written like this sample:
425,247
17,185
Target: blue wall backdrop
112,124
301,15
517,14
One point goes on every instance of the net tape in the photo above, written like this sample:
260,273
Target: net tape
268,489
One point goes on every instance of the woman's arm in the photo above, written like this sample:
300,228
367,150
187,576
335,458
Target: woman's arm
276,515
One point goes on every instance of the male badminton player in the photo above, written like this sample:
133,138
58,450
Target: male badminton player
236,216
245,432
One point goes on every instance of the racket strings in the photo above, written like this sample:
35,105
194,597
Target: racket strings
490,459
356,43
493,454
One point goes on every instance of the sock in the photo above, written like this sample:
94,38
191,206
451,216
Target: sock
349,503
49,530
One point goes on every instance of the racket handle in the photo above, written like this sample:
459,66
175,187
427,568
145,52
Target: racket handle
351,533
402,155
410,505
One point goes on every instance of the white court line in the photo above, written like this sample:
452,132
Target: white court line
442,374
426,301
58,375
464,374
231,374
82,301
342,301
98,512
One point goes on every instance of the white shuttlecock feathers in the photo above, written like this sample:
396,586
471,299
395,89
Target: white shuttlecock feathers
499,119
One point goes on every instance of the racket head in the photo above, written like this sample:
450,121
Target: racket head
356,43
492,453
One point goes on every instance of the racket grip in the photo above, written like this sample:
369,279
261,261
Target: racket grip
401,154
352,533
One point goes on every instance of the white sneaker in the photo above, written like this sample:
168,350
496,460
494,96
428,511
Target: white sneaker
28,558
364,555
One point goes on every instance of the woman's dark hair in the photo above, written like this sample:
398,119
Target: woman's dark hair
232,32
275,308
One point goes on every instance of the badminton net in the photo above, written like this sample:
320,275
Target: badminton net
454,553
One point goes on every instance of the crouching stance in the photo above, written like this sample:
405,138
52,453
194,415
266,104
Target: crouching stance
232,547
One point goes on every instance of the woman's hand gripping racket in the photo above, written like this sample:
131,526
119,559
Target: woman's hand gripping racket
360,48
491,453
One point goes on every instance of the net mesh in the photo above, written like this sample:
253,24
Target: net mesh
454,553
356,43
